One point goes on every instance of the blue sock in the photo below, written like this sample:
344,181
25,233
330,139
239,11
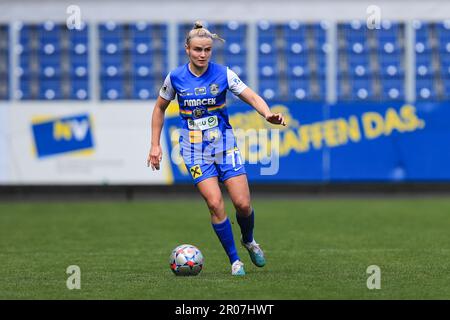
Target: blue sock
225,234
246,224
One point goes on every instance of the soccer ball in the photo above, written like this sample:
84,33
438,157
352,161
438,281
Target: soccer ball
186,260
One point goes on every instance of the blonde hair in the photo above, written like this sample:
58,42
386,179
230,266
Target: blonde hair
199,31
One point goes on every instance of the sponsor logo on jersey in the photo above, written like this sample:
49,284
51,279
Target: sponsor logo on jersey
214,89
184,92
199,102
203,123
200,91
196,171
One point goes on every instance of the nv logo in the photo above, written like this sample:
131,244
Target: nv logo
196,171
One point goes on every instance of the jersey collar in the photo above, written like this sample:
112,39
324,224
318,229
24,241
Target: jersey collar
196,76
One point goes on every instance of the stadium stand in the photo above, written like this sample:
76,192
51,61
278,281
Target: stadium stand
53,61
4,62
292,60
133,60
370,62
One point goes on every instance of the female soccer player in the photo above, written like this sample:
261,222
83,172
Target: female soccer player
208,146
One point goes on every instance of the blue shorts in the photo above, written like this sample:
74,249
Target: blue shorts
224,170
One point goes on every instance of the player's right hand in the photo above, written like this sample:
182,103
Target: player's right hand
154,157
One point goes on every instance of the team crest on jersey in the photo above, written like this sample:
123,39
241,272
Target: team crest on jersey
214,89
198,112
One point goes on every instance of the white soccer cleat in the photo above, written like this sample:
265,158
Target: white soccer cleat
255,252
237,268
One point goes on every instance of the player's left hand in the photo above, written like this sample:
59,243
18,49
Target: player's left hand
276,118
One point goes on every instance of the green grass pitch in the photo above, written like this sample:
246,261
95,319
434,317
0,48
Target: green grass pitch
315,248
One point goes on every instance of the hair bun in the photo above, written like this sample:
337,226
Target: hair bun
198,25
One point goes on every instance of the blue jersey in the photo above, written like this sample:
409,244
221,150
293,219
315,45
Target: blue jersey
205,128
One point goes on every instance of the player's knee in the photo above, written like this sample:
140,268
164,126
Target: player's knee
243,207
215,205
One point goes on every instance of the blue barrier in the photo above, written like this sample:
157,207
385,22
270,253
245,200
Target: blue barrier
341,142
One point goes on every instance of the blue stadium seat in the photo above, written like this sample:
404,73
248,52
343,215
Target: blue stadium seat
235,48
144,89
319,31
422,47
300,90
78,48
445,67
355,29
392,70
79,35
268,71
361,89
424,66
78,71
234,31
298,47
299,71
294,31
446,84
269,89
388,32
111,31
266,31
443,31
422,30
50,90
357,48
50,71
111,48
111,71
112,90
79,90
425,89
141,48
140,30
360,71
49,31
389,48
444,47
25,32
392,89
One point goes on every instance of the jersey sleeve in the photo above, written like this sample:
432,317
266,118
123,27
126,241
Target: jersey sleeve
234,83
167,91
